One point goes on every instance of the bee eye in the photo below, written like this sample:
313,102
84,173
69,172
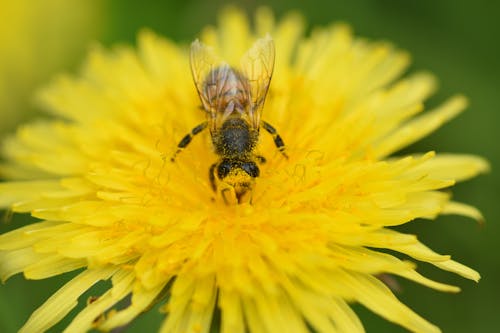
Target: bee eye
251,168
223,169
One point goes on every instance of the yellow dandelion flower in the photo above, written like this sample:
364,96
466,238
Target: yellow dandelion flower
312,240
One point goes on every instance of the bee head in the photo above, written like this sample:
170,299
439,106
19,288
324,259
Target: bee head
238,174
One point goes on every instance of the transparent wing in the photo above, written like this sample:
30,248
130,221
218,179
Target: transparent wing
257,66
210,75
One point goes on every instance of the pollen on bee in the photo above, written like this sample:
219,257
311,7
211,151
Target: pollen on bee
233,100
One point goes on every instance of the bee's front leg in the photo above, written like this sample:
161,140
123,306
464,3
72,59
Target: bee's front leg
261,159
211,176
228,194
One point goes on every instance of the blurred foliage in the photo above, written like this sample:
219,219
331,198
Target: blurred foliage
37,39
456,40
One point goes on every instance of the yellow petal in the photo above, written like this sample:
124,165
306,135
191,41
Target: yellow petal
272,314
15,261
234,35
141,300
373,294
459,208
85,320
458,268
232,320
12,192
419,127
191,305
414,276
52,265
453,166
65,299
25,236
324,312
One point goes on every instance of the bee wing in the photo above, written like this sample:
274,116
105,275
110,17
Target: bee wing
210,74
257,66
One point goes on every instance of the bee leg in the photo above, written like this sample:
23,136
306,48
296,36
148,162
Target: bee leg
211,176
187,139
278,141
261,159
227,192
229,196
245,196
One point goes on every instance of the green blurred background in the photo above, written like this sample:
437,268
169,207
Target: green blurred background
457,40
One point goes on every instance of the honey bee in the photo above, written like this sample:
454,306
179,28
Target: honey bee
233,99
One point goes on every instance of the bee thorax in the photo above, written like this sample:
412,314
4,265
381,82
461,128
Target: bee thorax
235,138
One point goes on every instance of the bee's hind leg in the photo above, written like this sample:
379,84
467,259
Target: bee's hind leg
187,139
278,141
